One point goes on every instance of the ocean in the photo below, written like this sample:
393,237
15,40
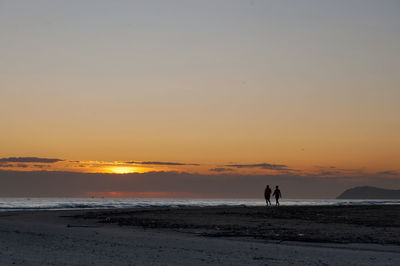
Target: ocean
19,204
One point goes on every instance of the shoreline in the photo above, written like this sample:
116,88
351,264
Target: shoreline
38,204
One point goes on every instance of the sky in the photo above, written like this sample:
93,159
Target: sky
287,92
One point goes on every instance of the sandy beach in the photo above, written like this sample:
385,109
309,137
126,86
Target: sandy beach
324,235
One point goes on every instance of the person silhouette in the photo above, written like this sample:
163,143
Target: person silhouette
277,194
267,195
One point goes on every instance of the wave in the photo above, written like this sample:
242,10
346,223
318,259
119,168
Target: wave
21,204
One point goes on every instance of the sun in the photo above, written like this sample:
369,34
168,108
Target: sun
122,169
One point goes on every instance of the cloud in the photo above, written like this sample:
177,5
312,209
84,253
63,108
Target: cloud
19,165
325,167
268,166
28,160
162,163
389,172
221,169
42,166
333,170
6,165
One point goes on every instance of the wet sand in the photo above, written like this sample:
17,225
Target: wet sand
323,235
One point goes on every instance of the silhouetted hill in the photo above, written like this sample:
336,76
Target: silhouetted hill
369,193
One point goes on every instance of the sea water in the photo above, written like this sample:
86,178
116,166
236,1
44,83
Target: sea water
15,204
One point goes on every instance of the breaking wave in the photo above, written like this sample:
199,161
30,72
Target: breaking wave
20,204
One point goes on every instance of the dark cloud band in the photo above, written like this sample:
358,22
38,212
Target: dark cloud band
260,165
221,169
29,160
389,172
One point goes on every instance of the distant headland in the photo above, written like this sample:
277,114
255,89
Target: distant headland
368,192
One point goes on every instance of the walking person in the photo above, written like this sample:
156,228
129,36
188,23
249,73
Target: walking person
277,194
267,195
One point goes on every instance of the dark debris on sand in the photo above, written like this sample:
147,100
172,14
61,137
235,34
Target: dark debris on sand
338,224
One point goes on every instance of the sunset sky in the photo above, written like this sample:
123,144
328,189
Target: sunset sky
252,90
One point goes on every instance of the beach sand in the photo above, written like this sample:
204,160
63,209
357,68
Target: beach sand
323,235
